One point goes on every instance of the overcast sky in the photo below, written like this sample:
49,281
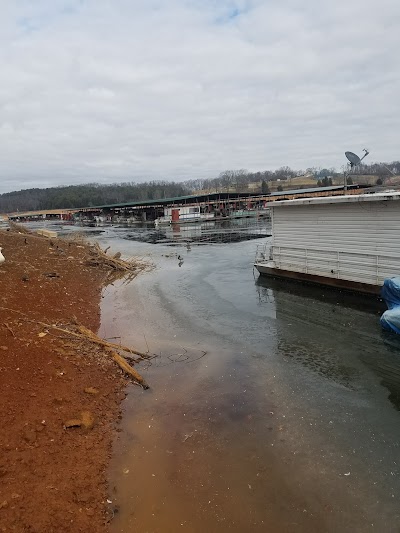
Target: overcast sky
116,90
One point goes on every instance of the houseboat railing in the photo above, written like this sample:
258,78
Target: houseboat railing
371,267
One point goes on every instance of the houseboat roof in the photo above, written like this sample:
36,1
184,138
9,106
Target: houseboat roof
348,198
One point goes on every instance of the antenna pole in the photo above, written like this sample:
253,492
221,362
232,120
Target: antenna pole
387,168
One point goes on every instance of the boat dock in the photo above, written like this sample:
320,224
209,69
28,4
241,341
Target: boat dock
183,209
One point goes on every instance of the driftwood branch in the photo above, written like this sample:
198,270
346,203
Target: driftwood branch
85,334
9,329
100,258
127,368
97,340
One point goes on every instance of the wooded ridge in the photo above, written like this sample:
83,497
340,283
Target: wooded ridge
95,194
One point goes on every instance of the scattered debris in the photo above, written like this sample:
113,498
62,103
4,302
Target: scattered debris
46,233
86,420
85,334
91,390
9,329
73,423
19,228
116,266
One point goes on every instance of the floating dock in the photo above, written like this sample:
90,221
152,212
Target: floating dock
348,241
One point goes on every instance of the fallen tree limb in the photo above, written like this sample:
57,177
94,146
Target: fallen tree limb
13,310
19,228
87,334
127,368
93,337
9,329
111,348
100,257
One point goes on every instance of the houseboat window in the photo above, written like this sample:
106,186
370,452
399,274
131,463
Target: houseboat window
194,210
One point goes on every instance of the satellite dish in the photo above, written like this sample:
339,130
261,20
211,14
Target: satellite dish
354,161
353,158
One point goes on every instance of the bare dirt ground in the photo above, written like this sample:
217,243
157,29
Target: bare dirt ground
52,479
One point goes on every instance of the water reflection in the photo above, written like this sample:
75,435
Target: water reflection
313,322
214,232
202,233
267,287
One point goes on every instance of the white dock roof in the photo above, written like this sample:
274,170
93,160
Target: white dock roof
348,198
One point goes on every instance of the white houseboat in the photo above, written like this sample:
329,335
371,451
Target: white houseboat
346,241
190,213
185,213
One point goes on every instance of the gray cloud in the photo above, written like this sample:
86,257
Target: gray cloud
125,90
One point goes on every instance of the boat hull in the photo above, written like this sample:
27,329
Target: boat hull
267,269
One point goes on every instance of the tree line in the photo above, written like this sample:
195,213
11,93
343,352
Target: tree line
95,194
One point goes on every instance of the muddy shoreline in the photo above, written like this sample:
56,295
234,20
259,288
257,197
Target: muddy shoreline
266,405
53,479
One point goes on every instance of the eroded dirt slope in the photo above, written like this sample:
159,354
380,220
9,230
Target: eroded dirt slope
52,479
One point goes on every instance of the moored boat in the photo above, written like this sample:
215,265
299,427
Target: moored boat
346,241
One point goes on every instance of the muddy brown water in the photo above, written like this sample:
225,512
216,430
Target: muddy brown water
273,406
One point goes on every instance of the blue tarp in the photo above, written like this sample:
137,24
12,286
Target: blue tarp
390,320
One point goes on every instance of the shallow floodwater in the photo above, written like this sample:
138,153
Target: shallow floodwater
274,407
